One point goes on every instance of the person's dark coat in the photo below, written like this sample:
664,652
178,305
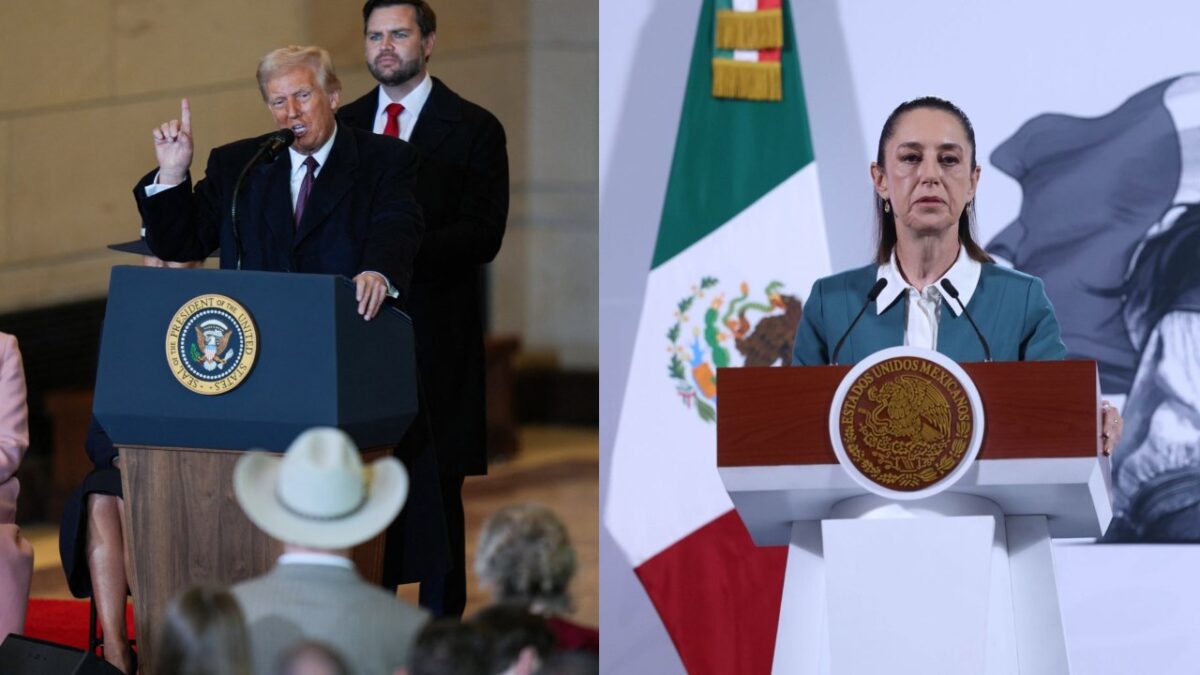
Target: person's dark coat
462,186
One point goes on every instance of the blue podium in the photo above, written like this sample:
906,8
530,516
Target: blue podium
198,366
318,363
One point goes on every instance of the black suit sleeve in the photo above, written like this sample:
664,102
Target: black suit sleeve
182,225
396,225
473,238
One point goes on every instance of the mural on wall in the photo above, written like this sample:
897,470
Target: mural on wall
1110,220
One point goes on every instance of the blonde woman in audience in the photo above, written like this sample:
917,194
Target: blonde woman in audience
16,554
526,559
203,633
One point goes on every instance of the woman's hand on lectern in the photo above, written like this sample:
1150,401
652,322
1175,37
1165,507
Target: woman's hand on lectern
1111,426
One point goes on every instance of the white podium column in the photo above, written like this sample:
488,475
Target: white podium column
1042,642
802,636
908,596
920,587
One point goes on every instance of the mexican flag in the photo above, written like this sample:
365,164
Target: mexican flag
740,241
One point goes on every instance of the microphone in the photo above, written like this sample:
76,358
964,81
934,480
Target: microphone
953,292
871,295
275,143
267,152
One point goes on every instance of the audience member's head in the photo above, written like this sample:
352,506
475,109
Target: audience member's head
447,647
319,496
571,663
519,639
311,658
526,558
203,633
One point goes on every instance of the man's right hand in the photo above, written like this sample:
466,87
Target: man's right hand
173,147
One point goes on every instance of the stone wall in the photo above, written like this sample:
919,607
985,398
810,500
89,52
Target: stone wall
86,80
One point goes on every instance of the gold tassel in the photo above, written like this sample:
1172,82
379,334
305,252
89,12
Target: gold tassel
749,30
750,80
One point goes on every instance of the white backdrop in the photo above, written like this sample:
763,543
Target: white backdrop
1003,63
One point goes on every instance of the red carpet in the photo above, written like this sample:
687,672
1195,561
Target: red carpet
64,621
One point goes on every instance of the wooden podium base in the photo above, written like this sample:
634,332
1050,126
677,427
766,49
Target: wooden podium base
184,527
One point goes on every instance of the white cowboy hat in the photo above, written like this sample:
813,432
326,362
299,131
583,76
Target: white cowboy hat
319,494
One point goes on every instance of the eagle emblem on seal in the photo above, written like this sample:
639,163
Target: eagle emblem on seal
909,409
211,348
211,344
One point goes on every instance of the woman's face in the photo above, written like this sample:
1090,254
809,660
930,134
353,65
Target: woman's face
927,174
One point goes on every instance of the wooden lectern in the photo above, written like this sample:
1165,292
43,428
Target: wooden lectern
318,363
870,582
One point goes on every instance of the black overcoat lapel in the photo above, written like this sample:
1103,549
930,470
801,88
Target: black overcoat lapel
442,110
276,192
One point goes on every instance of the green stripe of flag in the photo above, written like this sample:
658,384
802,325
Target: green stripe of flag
729,153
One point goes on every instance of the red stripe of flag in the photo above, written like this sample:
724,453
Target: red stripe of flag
719,595
770,54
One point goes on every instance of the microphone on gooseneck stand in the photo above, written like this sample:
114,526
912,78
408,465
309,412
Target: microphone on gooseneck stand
953,292
276,143
270,148
871,295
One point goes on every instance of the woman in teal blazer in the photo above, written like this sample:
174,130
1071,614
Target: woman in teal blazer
925,176
1011,309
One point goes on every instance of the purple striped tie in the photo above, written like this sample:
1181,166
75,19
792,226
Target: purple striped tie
305,188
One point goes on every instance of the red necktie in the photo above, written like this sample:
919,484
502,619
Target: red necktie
392,128
305,188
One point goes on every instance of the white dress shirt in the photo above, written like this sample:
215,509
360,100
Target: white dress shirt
298,168
922,308
413,103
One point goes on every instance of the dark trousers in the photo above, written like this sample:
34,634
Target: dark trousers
445,594
418,544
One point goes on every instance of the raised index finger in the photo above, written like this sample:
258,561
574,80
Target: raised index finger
185,117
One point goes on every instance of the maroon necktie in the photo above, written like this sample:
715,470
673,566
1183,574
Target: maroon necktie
305,187
392,128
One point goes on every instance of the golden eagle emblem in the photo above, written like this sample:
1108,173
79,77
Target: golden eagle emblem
903,423
910,408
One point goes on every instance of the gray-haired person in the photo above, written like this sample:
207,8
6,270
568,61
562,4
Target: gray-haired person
525,558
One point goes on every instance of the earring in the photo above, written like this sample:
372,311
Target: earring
887,206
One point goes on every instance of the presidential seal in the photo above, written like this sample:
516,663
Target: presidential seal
906,423
211,344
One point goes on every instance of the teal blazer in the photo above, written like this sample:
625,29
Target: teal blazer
1011,309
